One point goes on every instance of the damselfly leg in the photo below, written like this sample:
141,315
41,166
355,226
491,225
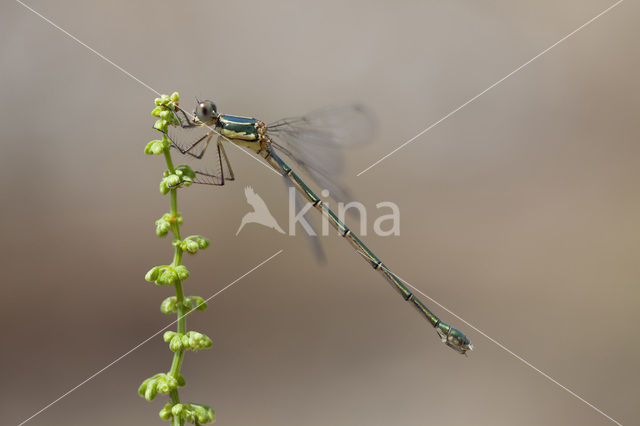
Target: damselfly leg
206,178
226,160
188,150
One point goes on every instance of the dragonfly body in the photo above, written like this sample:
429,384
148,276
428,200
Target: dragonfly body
261,139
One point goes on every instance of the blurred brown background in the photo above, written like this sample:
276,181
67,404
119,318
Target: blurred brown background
519,213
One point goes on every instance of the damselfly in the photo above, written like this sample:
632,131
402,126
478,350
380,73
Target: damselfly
311,142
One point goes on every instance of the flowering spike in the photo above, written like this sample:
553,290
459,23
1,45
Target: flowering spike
174,274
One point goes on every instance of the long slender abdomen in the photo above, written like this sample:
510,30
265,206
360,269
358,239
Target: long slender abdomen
452,337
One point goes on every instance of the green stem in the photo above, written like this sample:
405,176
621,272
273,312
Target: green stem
177,260
177,421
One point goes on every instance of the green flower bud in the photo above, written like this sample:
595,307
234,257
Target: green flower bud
168,335
153,274
175,97
157,148
164,189
161,125
166,383
168,276
162,228
184,340
168,305
203,243
173,180
182,272
176,343
176,410
165,413
199,413
143,387
194,335
194,302
161,382
197,341
151,393
199,303
190,246
192,413
207,343
187,302
154,147
158,101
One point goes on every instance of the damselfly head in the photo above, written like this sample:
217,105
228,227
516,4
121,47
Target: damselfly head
206,111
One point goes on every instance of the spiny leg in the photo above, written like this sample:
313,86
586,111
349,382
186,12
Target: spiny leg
213,179
206,178
226,159
187,150
217,180
220,162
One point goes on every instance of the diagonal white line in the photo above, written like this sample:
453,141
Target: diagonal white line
145,341
491,87
510,352
127,73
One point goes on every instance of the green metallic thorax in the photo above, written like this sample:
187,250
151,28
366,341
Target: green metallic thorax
241,130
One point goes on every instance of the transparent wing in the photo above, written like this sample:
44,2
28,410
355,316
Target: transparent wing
314,142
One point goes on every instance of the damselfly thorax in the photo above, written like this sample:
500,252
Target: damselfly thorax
243,131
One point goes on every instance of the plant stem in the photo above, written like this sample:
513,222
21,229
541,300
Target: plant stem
181,311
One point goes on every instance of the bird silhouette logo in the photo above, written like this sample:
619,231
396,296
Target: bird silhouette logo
260,213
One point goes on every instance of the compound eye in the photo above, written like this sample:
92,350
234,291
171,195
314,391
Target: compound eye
205,111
